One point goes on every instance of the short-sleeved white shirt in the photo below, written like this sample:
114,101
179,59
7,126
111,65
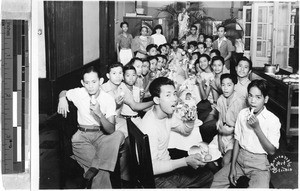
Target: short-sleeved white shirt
159,39
81,99
248,140
135,93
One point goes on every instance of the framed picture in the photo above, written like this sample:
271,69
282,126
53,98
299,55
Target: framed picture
215,26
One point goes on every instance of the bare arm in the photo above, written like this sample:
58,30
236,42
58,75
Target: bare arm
108,124
136,106
232,174
63,106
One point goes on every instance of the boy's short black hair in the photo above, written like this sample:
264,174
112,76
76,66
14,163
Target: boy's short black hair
181,47
196,53
174,39
194,43
216,51
204,45
247,60
204,55
204,35
210,37
159,55
164,57
262,85
90,69
221,26
128,67
114,65
155,86
151,58
230,76
157,27
131,62
161,46
168,44
194,26
148,48
123,23
217,58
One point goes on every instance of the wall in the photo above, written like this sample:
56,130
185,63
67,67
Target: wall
41,41
90,34
121,8
219,10
90,31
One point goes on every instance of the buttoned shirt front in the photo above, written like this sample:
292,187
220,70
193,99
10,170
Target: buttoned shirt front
81,99
248,140
124,42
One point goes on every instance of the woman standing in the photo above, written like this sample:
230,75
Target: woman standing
124,41
140,43
158,37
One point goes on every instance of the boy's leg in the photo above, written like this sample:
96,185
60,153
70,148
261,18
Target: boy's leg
107,147
221,178
208,130
256,167
259,179
185,178
227,158
83,150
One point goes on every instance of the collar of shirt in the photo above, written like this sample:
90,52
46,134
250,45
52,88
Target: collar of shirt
221,40
263,113
243,82
109,86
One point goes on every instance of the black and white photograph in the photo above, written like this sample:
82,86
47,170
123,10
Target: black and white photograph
149,94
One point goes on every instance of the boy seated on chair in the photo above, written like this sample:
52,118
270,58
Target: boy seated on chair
96,143
186,172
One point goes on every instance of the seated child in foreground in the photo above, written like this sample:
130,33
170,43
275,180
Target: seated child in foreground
157,125
256,133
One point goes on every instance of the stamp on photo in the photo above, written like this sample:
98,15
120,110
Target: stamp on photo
281,163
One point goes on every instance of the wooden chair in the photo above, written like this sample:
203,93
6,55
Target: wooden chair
141,169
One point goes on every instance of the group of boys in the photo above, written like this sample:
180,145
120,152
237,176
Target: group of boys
236,119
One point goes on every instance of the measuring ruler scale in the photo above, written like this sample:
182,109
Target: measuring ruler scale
14,83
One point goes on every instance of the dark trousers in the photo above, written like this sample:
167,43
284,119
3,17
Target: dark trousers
185,177
203,109
208,130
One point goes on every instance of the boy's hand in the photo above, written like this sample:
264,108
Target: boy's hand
232,176
194,161
95,108
119,99
253,122
142,93
63,107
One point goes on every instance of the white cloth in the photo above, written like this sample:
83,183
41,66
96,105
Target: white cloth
159,39
269,124
181,142
81,99
158,131
207,76
125,56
